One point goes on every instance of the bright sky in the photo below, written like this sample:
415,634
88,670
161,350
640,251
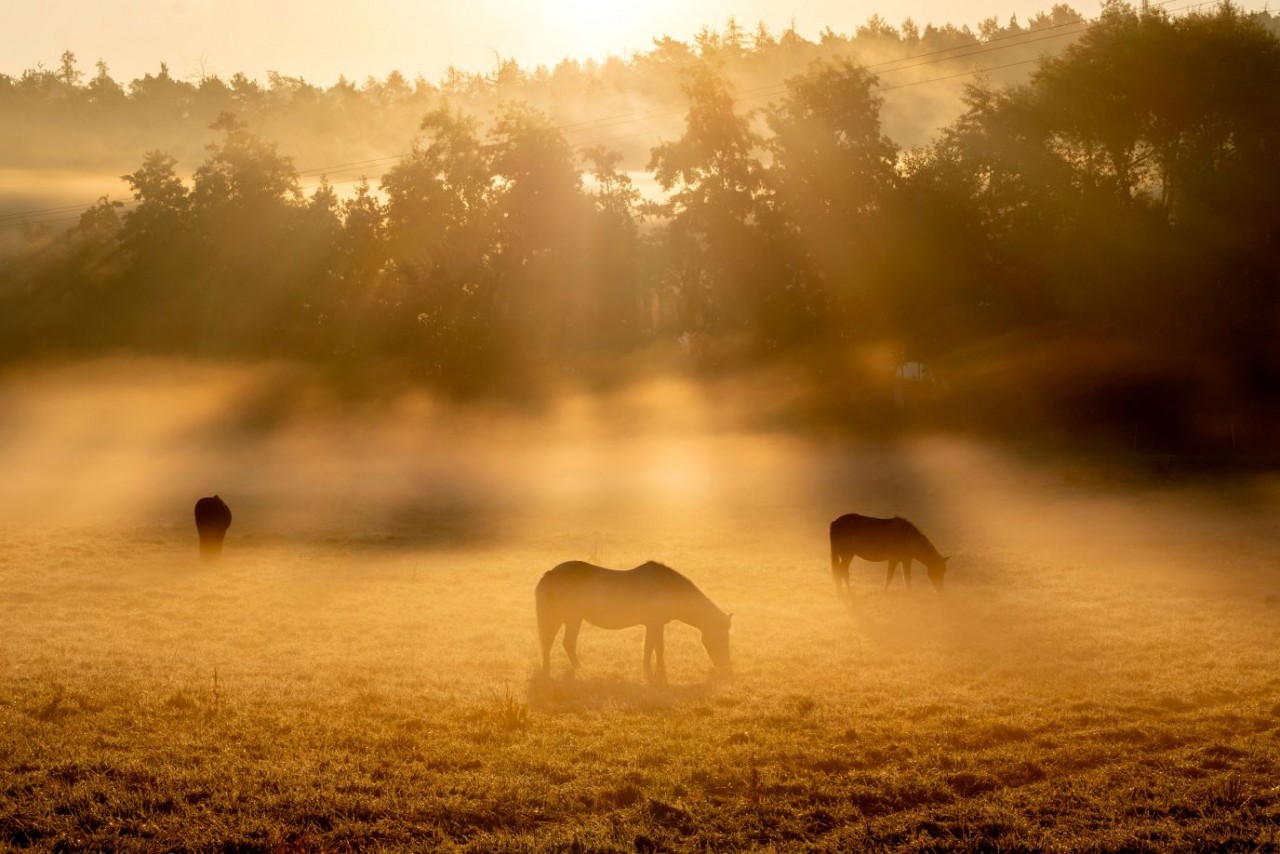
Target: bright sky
322,39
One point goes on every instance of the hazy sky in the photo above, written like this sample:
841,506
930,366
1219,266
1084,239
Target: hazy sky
322,39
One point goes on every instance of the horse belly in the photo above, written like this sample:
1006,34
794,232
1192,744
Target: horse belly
863,547
613,621
609,613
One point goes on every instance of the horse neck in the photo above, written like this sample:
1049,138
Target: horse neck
699,611
923,549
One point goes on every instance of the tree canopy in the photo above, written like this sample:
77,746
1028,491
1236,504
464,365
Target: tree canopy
1094,248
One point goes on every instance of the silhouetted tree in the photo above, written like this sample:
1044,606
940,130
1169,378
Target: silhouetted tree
441,230
612,247
245,200
713,179
831,173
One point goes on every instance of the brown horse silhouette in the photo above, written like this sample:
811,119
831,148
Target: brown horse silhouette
895,540
650,595
213,517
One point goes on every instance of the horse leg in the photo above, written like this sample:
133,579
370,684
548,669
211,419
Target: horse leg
547,629
888,577
571,628
653,645
840,574
649,635
906,572
840,571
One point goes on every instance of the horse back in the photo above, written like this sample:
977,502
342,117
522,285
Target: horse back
614,598
873,538
578,573
566,580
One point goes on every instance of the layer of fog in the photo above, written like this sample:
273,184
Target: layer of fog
134,443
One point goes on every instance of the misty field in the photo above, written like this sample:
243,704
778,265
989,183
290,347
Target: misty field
359,671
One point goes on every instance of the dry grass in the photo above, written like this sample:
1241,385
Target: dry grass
1101,675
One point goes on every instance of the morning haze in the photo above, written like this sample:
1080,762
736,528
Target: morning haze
533,454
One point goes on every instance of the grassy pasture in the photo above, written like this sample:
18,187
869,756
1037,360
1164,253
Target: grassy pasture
1102,673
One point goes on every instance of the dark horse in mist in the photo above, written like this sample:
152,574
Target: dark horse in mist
213,517
895,540
651,595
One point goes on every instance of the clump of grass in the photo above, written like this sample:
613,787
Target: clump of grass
669,815
53,710
511,712
215,694
628,794
63,704
182,701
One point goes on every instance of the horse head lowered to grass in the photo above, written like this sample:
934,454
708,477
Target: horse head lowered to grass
213,518
650,595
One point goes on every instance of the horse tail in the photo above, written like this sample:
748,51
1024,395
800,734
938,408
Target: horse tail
835,548
542,597
548,618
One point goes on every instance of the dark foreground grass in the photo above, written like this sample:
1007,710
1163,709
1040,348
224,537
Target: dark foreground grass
1102,675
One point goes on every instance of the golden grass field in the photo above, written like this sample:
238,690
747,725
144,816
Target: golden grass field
359,671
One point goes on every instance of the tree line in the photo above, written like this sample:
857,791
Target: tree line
1096,249
64,114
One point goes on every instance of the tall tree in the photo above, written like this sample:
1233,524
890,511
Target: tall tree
831,173
713,178
441,229
160,220
542,213
245,202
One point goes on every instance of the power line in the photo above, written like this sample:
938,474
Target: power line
768,91
1023,37
983,47
63,209
777,88
758,93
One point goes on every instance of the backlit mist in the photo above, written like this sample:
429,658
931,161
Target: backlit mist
320,354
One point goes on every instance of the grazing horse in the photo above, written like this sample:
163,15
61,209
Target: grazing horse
895,540
651,595
213,517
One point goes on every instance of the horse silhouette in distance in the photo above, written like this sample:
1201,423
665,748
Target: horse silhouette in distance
213,517
650,595
895,540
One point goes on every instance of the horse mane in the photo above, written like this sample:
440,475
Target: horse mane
675,577
668,573
926,544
